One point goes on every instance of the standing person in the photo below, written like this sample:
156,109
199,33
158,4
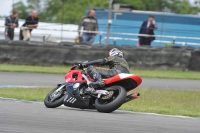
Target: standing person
11,22
89,23
148,29
31,22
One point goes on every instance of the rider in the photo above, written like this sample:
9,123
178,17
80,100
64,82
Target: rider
117,64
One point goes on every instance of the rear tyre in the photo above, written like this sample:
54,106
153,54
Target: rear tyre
56,102
108,105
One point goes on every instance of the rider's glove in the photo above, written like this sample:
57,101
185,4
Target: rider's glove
84,65
81,66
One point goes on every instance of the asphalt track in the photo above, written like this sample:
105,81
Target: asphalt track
20,117
31,117
42,80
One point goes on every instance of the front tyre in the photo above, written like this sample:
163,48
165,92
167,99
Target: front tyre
55,97
113,101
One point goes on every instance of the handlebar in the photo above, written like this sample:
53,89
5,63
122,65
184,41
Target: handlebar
80,66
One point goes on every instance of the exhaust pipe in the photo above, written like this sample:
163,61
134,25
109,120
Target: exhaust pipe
132,96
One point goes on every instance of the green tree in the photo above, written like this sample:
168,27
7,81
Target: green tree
56,10
147,5
70,11
22,9
175,6
182,7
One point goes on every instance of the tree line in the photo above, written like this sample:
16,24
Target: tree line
70,11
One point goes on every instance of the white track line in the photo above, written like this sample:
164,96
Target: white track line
18,86
176,116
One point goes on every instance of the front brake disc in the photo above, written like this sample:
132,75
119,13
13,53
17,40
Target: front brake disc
55,95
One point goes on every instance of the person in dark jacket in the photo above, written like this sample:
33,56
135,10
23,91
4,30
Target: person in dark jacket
117,64
148,29
89,23
31,23
11,22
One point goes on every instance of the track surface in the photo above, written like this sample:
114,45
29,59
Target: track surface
18,117
35,79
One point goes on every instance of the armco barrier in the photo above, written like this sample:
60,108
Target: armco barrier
194,63
70,53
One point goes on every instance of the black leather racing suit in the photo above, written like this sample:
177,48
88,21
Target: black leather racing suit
116,64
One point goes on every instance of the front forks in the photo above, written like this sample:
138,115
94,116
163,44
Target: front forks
56,93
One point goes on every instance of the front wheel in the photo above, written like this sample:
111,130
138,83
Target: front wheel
55,97
111,102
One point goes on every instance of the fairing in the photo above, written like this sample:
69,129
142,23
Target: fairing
123,77
74,76
128,81
73,98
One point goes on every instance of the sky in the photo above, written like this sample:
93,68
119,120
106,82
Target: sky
6,6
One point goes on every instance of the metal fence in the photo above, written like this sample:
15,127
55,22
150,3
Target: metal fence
54,25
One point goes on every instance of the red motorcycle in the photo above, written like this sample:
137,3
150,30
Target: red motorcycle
73,92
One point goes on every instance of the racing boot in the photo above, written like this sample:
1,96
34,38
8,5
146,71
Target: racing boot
94,85
98,82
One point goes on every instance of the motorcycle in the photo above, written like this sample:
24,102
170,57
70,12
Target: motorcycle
73,92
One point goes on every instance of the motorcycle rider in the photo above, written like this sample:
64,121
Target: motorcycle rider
117,64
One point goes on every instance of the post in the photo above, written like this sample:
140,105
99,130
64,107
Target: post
62,20
100,37
13,5
114,41
174,38
109,21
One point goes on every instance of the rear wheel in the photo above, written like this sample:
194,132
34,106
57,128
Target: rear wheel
55,97
111,102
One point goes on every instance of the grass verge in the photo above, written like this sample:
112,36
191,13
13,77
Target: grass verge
172,102
175,74
34,69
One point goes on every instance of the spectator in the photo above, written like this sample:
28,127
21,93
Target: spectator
89,23
31,22
148,29
11,22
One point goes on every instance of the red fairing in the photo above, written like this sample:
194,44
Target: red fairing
137,79
112,79
69,76
122,77
119,77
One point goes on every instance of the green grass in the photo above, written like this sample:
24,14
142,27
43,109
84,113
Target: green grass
172,102
31,94
34,69
175,74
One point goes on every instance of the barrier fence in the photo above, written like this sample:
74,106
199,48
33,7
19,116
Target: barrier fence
137,57
47,36
55,28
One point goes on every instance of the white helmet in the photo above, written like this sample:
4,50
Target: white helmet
115,52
